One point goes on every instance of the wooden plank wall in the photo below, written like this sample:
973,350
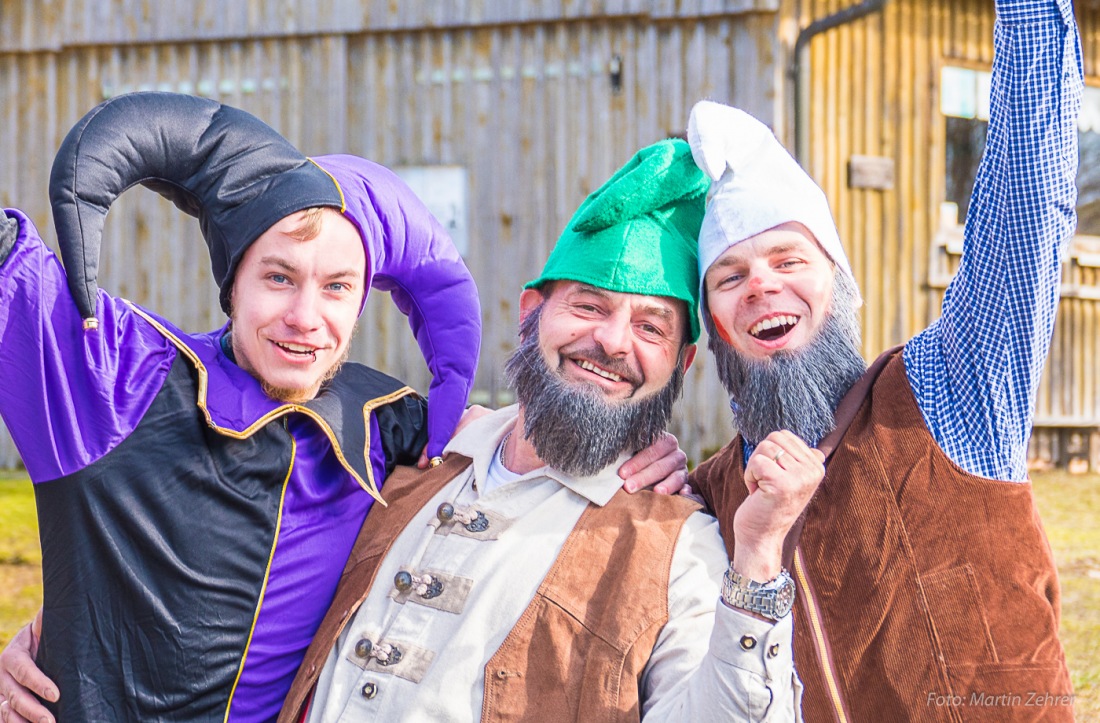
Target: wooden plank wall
53,24
517,92
526,107
873,88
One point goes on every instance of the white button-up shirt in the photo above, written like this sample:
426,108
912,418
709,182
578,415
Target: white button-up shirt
420,654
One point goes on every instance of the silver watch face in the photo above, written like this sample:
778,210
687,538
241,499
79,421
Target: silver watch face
784,598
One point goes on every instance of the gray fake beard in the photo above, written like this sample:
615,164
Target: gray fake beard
797,391
573,428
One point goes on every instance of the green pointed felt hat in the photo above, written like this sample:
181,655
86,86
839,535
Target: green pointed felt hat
639,232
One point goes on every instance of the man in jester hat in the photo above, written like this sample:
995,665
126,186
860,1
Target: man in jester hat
518,580
198,493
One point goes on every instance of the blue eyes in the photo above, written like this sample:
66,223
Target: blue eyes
335,287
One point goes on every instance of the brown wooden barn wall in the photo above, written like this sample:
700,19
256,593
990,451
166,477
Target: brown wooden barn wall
517,92
525,104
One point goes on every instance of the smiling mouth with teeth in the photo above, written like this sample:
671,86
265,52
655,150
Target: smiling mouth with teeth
590,367
298,349
774,328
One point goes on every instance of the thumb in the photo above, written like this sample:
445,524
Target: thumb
750,480
36,632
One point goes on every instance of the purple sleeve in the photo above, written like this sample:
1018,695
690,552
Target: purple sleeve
69,397
377,454
410,255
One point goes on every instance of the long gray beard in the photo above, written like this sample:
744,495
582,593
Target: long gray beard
573,428
797,391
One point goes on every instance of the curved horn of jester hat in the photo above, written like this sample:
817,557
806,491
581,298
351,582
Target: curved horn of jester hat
638,232
239,177
411,256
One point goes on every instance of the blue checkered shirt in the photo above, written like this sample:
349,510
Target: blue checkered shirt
975,371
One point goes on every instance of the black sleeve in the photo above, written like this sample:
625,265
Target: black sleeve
9,230
404,428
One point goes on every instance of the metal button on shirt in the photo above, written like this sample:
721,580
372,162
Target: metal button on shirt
443,639
402,581
369,690
426,586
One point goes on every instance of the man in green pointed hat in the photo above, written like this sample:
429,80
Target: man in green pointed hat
635,235
518,579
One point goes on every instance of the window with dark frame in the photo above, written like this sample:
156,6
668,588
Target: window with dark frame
964,103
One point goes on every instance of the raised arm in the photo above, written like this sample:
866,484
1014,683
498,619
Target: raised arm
68,396
976,370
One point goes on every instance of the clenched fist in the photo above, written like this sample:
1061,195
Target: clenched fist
782,475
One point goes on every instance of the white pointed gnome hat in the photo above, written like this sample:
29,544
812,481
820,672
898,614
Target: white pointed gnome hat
756,186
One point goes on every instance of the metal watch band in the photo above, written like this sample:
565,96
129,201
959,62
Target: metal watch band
772,599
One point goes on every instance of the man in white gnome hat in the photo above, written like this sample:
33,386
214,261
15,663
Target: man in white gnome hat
921,566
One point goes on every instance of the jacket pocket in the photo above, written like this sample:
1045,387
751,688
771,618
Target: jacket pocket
958,617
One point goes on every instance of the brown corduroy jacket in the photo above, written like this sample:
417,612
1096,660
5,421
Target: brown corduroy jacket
924,592
579,649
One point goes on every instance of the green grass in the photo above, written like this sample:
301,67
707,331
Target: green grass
20,555
1070,507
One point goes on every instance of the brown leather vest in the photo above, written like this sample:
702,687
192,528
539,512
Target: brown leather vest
579,649
924,592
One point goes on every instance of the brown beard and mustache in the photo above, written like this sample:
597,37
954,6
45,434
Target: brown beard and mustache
292,395
797,391
573,427
286,395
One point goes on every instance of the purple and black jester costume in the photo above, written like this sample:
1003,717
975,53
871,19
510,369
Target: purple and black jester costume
194,529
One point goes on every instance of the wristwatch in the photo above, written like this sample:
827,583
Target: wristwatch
772,599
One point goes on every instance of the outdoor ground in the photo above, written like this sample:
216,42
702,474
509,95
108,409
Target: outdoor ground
1070,507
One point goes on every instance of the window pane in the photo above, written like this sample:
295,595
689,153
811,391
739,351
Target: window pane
1088,184
957,92
964,102
965,141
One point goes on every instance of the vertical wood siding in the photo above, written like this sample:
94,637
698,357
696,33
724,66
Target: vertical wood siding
874,89
52,24
527,108
518,93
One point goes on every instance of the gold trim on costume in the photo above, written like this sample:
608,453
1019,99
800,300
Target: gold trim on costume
343,201
369,485
267,575
367,409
